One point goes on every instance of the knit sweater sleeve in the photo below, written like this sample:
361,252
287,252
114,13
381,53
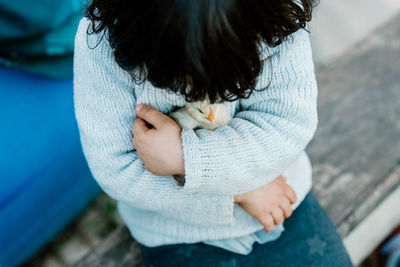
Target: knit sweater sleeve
104,108
269,132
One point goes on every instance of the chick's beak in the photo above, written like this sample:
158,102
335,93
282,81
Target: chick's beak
211,116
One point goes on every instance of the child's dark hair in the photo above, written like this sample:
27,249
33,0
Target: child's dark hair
197,48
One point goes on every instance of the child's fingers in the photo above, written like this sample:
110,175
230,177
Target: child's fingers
139,126
286,208
151,115
277,214
282,178
290,194
268,222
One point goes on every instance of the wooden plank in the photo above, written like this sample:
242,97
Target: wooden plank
358,141
356,148
119,249
362,240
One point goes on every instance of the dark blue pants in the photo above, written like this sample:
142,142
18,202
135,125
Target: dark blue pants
309,239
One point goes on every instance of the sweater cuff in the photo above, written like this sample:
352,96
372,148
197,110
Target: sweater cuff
193,157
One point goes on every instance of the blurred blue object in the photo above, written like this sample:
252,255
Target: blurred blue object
44,179
391,249
38,36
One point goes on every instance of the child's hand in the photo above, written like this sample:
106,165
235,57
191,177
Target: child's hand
160,146
269,204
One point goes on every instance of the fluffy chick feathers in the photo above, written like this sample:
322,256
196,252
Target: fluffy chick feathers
202,114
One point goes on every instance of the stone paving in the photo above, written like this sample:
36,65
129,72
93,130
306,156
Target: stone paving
337,25
83,234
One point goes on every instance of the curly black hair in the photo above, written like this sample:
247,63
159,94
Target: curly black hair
197,48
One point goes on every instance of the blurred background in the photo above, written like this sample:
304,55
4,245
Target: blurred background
51,211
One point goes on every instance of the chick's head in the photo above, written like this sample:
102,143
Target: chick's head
209,116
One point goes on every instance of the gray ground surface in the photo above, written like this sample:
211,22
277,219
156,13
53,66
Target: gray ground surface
340,24
87,231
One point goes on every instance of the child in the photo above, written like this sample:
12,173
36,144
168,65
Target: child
156,55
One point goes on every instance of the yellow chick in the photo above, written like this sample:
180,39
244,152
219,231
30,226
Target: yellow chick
202,114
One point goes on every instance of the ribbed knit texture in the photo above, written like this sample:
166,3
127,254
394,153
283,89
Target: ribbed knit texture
266,137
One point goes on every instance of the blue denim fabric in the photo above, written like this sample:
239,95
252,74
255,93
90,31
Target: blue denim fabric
309,239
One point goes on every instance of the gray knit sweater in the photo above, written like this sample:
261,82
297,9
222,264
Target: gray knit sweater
266,137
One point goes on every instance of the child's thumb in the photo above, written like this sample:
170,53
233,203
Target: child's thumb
151,115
